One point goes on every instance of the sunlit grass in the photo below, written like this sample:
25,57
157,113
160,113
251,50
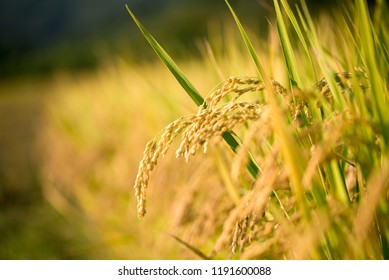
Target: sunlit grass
310,121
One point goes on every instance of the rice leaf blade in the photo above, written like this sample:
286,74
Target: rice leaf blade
299,31
168,61
287,49
189,247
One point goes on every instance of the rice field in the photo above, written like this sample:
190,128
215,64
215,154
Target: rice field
262,148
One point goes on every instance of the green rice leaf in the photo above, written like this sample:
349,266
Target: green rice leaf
287,49
249,45
168,61
298,30
189,247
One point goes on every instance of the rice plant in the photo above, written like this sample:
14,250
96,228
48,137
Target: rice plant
308,176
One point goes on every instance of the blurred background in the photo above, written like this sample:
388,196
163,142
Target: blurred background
81,93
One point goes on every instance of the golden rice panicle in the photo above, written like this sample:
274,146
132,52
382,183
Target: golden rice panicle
243,233
235,237
239,86
213,123
210,122
142,178
213,99
154,149
345,81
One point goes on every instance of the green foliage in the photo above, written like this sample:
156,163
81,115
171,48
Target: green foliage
319,162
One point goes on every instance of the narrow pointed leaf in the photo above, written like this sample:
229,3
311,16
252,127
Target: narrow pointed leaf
190,247
287,49
168,61
248,44
298,30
